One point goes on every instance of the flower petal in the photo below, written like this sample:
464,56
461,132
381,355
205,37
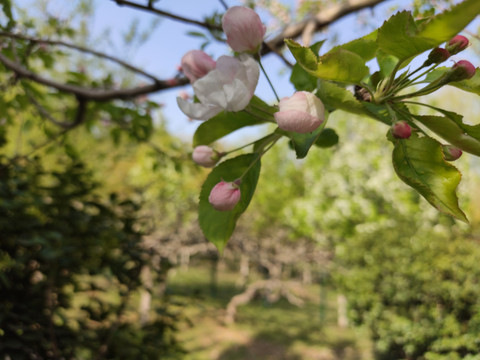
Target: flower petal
198,111
297,121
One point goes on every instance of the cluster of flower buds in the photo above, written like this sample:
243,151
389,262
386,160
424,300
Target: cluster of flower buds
462,69
229,84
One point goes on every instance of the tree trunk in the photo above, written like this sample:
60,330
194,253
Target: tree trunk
342,319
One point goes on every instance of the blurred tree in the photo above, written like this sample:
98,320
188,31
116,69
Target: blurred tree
70,264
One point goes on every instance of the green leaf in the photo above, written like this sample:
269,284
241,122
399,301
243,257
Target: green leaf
302,80
386,63
446,25
378,112
257,112
366,46
303,142
419,163
7,10
334,96
398,37
218,226
339,65
451,128
327,138
403,38
260,144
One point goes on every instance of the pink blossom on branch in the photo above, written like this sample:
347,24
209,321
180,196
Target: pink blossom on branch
230,86
196,64
303,112
243,28
224,196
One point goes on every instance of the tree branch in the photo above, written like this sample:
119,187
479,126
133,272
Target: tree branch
150,8
91,93
81,49
322,20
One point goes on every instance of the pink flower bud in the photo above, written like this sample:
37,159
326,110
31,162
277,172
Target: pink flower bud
456,44
303,112
401,130
451,153
205,156
196,64
462,70
243,28
437,56
224,196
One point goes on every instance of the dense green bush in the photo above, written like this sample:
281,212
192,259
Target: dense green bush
70,269
419,294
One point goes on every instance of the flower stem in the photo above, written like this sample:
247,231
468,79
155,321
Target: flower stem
259,156
268,79
241,147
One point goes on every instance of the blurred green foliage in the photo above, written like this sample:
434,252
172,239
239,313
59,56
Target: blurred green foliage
70,265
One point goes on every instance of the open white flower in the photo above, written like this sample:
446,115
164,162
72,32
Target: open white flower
230,86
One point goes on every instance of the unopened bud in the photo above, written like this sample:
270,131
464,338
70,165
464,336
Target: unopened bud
462,70
456,44
437,56
303,112
205,156
451,153
196,64
243,28
401,130
225,195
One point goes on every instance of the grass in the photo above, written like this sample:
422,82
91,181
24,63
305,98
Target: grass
262,330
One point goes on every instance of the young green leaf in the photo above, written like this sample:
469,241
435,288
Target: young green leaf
327,138
303,142
419,162
339,65
451,128
257,112
446,25
365,46
403,38
218,226
398,37
334,96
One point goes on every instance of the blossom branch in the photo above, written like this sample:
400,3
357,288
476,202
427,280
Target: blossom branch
81,49
149,7
323,19
90,93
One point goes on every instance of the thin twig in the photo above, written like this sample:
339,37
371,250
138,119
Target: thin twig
81,49
90,93
154,10
322,20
